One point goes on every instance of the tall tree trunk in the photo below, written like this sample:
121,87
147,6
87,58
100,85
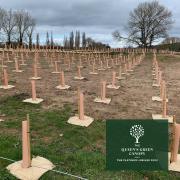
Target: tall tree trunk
9,40
30,42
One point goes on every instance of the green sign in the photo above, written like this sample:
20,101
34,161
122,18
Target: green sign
137,144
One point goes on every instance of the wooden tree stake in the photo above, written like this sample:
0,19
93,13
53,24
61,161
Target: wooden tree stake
26,155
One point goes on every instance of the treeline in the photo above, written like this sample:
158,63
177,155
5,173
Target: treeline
16,27
77,40
170,47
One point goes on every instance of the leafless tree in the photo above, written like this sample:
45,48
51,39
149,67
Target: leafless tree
89,42
2,11
66,42
37,40
23,21
52,40
8,25
1,20
77,39
147,23
84,40
71,40
47,39
29,31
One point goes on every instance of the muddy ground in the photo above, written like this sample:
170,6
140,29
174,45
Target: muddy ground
131,101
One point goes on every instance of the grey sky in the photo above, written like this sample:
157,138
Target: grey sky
98,18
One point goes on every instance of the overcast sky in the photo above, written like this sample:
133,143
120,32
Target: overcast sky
98,18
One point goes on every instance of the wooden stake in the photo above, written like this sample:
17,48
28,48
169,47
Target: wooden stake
172,159
159,77
26,162
175,143
103,90
29,146
107,64
79,72
35,70
22,59
69,64
120,71
125,68
101,66
33,90
162,89
56,67
80,119
113,78
16,65
62,81
164,105
81,106
5,78
93,68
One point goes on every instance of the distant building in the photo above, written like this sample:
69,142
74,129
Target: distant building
171,40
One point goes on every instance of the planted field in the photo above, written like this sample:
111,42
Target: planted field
74,149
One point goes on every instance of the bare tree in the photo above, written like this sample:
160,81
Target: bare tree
89,42
37,40
66,42
84,40
71,40
52,40
30,31
1,20
147,23
47,39
8,25
77,39
2,12
22,19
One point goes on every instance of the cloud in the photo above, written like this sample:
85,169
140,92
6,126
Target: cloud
98,18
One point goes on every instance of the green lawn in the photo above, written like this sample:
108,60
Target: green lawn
80,151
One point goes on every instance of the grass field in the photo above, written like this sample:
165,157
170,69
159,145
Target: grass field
76,150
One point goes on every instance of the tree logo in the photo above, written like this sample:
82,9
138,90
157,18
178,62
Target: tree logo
137,131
